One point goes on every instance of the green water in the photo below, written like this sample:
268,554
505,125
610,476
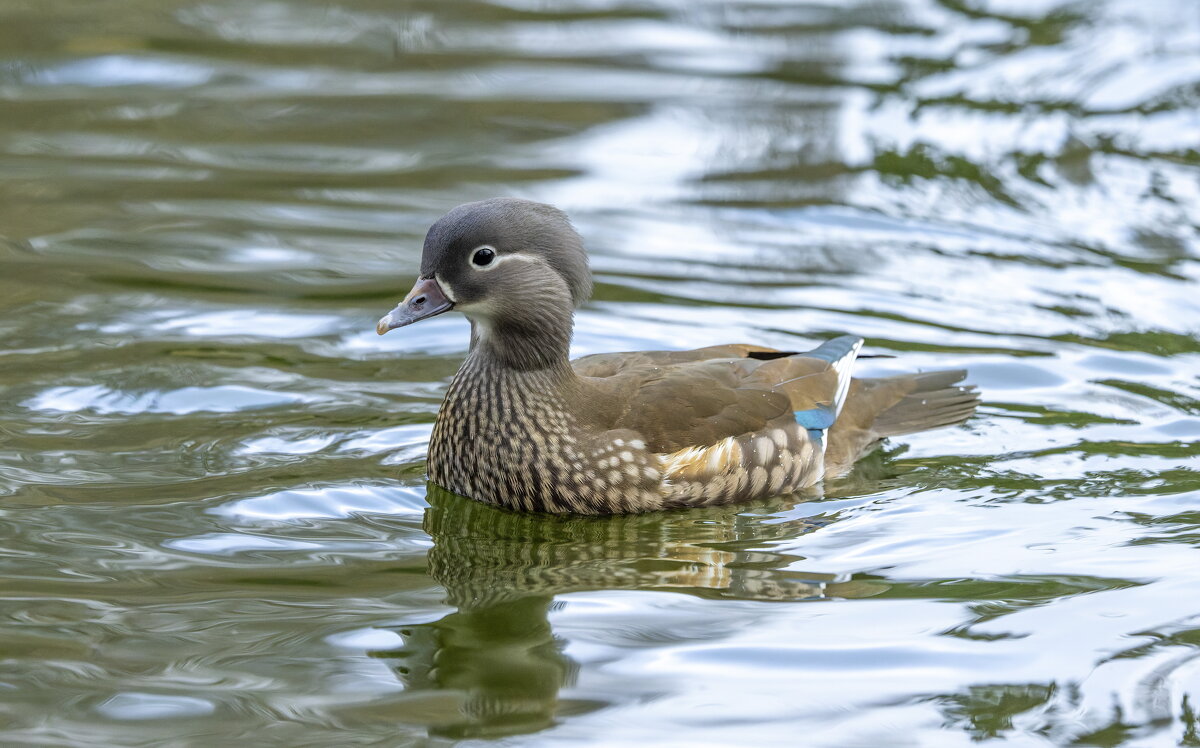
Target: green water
215,526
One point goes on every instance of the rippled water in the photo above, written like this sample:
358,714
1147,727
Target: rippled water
214,517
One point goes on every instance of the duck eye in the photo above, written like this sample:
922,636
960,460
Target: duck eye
483,256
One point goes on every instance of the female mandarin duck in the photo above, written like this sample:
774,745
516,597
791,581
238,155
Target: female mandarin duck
526,428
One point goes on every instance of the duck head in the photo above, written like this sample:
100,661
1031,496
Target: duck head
516,268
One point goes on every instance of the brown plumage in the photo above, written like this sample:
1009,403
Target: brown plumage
526,428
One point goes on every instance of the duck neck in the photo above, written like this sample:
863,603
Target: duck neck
533,344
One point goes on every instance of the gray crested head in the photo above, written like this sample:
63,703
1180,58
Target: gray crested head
517,269
530,233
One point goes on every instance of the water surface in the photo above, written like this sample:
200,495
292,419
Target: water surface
212,501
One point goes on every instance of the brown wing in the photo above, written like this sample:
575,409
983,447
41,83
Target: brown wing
679,399
698,404
610,364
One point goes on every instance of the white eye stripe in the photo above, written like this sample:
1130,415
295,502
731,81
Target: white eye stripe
518,257
500,259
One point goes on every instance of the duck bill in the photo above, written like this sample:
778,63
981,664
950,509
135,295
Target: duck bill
425,300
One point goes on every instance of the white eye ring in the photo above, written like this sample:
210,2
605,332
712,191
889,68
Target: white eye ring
483,256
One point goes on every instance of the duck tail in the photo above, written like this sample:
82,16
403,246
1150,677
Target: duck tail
933,399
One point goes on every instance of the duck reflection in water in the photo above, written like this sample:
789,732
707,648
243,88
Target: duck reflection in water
498,654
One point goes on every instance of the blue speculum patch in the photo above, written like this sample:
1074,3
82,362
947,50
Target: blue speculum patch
815,419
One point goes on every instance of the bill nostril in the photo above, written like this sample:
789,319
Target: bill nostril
418,301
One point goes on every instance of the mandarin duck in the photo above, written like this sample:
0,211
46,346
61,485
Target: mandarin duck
523,426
